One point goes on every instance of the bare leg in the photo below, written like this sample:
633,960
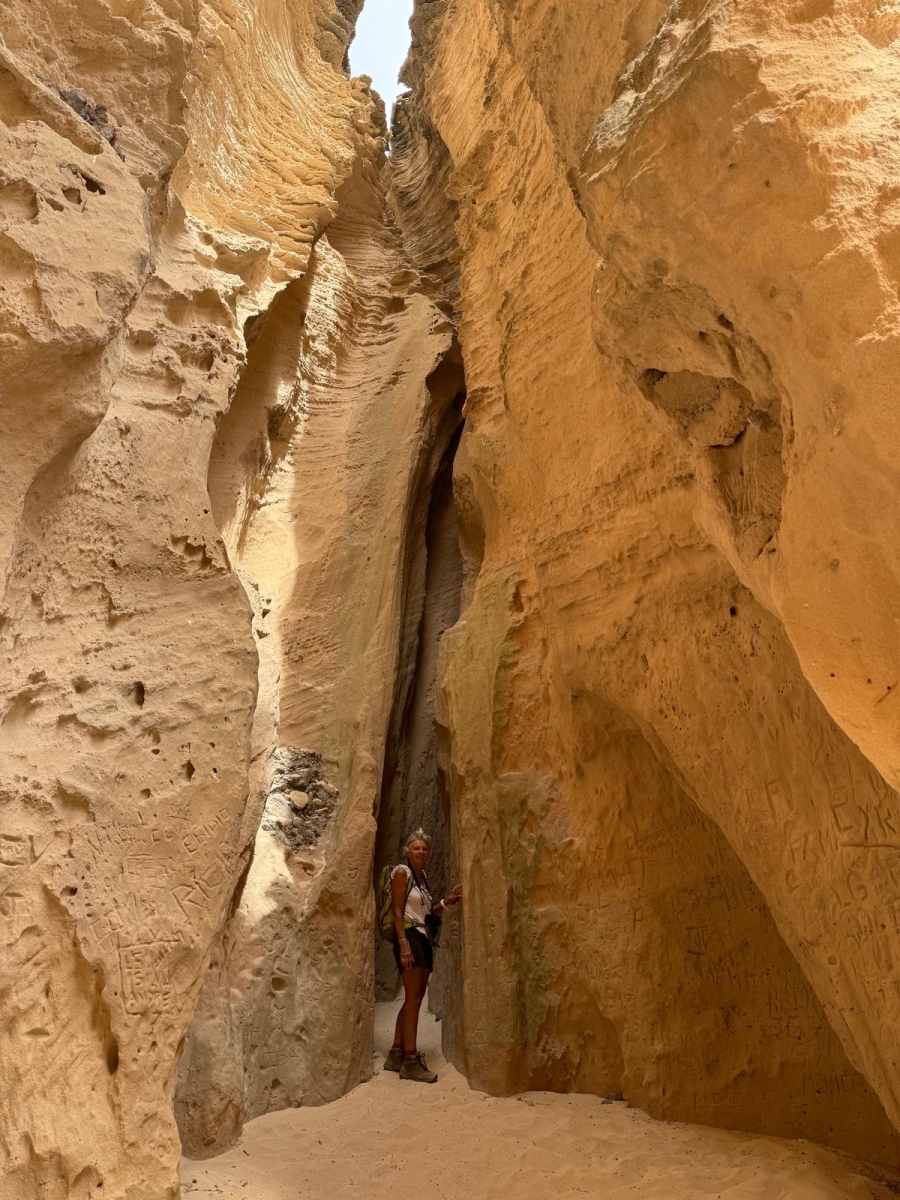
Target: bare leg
409,989
415,981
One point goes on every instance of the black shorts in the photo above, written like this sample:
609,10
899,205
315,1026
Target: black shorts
420,945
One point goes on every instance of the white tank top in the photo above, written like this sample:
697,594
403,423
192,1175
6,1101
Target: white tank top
418,902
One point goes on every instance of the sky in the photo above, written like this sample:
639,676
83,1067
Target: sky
381,44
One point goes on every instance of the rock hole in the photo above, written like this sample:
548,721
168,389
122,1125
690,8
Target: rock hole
652,376
73,195
189,770
278,983
112,1055
139,694
733,611
146,793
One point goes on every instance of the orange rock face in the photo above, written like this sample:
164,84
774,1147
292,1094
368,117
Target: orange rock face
669,700
654,249
137,240
343,417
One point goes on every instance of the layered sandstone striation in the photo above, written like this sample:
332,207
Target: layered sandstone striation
670,697
167,170
625,641
321,480
223,430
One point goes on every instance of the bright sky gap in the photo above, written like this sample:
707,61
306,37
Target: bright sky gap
381,44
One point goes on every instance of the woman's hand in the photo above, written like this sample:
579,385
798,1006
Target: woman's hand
455,896
406,957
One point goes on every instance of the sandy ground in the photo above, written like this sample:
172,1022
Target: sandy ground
392,1138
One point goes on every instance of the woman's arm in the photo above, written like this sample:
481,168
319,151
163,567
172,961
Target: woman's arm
454,898
398,901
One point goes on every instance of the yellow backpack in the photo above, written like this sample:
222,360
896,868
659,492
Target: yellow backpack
386,903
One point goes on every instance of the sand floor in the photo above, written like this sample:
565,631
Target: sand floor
391,1138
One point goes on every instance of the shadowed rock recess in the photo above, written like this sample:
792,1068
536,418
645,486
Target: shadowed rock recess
539,482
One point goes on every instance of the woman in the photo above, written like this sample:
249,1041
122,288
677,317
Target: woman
414,952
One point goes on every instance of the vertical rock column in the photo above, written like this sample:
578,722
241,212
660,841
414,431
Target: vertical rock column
131,270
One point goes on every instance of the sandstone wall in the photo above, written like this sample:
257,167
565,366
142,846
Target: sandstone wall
166,170
320,479
653,253
669,699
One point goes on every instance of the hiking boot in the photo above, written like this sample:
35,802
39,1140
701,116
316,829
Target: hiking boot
416,1068
394,1060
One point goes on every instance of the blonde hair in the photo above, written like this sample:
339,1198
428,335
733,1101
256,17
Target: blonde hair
419,836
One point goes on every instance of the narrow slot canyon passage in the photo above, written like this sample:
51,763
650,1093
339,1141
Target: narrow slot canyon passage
414,790
380,45
510,450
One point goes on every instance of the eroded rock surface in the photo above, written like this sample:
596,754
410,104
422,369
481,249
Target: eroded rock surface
641,652
141,232
320,479
668,700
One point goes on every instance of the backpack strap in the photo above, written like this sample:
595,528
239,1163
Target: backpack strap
410,880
